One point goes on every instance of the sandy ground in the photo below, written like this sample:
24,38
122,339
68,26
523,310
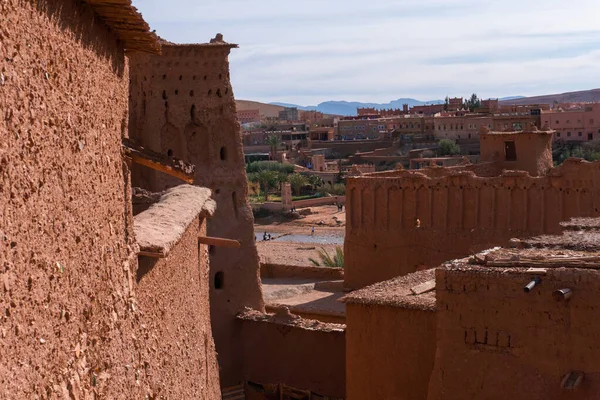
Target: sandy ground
299,253
290,253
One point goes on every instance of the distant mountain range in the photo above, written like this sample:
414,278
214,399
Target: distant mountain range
349,107
581,96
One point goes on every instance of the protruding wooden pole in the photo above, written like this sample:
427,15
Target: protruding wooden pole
219,242
168,165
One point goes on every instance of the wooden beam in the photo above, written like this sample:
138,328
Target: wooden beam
219,242
153,254
423,287
168,165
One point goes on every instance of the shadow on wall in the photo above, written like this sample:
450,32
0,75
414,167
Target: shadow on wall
69,16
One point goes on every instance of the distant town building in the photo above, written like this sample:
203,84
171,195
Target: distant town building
289,114
248,116
574,124
310,116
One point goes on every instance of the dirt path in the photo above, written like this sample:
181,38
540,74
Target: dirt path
298,253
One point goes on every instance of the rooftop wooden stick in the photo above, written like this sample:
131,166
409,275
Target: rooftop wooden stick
219,242
168,165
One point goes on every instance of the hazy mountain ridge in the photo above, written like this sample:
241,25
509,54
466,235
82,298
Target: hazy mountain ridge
343,107
349,107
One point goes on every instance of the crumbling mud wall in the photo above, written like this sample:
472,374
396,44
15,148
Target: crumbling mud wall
304,354
67,319
399,222
179,355
182,105
495,341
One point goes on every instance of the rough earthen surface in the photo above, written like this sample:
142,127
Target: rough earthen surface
75,324
496,341
160,227
63,207
178,353
397,293
182,105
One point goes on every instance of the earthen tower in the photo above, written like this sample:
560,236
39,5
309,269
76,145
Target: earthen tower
182,105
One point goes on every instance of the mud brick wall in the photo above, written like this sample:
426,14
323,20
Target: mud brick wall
182,104
533,151
67,323
389,352
459,214
304,354
179,354
495,341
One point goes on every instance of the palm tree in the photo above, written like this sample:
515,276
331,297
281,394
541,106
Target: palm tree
336,262
297,182
274,142
267,179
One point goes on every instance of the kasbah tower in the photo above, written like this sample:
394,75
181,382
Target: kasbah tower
182,105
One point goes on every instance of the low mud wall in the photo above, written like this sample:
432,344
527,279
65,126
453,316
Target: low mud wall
292,271
305,354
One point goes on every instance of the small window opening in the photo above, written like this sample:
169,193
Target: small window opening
219,93
223,154
164,76
219,280
180,77
194,77
205,77
193,112
220,76
170,153
510,151
176,92
191,93
164,95
209,92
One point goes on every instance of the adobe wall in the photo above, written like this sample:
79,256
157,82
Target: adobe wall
459,213
497,342
65,208
305,354
533,150
179,357
389,352
182,104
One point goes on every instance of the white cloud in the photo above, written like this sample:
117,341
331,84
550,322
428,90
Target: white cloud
314,51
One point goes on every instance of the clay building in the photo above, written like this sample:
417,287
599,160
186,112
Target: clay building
520,319
80,317
399,221
248,116
581,123
529,151
289,114
391,338
182,105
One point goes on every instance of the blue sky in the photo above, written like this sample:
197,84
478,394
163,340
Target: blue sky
309,51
